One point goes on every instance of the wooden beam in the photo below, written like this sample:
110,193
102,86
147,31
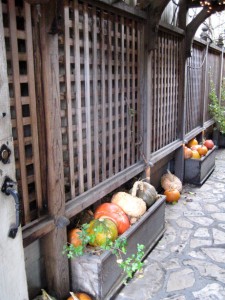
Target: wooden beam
154,12
56,264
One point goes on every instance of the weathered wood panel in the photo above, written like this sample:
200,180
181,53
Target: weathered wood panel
213,72
99,80
195,88
164,82
20,63
12,268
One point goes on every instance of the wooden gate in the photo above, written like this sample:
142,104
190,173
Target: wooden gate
20,64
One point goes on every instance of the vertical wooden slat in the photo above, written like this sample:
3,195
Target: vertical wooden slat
116,93
161,92
155,120
87,98
18,105
103,97
129,118
95,96
134,112
122,92
110,145
69,99
78,97
33,109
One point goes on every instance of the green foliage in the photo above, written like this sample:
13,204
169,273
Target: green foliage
119,248
216,109
133,263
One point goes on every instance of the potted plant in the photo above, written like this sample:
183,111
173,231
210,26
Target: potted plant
100,269
217,111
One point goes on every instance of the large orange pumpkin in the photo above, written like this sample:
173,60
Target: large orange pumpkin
172,195
102,230
80,296
115,213
74,238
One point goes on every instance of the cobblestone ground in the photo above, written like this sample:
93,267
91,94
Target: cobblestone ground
189,261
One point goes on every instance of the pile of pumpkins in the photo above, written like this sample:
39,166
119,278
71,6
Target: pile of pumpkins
194,150
115,217
74,296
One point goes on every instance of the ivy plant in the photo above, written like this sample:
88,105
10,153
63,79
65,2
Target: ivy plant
129,265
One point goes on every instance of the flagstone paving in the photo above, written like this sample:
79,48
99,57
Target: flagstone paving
189,261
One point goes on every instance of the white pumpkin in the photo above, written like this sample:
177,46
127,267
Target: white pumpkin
133,206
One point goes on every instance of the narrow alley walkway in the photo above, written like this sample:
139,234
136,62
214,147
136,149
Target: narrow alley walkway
189,261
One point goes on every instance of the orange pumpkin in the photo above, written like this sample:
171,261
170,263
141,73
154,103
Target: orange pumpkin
202,150
74,238
192,143
80,296
195,154
115,213
172,195
187,153
102,230
209,144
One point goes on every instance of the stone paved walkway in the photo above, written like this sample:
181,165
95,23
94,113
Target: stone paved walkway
189,261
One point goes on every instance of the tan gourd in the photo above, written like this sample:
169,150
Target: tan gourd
133,206
170,181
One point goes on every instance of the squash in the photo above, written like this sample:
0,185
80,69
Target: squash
79,296
203,150
133,206
145,191
209,144
192,143
74,237
102,230
115,213
169,181
187,153
172,195
44,296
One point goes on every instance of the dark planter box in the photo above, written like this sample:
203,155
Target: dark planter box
196,171
219,139
100,276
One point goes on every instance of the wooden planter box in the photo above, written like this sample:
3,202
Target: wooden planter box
196,171
219,138
100,276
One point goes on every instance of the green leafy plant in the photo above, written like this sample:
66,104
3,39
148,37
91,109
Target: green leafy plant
129,265
217,109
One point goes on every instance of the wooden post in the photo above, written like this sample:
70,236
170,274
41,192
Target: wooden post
179,155
56,264
12,265
205,86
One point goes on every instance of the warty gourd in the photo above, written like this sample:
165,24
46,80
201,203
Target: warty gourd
133,206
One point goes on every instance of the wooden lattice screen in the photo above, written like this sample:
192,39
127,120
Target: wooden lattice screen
195,86
165,81
18,39
214,67
99,79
